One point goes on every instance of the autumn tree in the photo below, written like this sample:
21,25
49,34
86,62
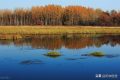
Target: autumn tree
104,19
53,15
72,15
37,15
58,15
115,18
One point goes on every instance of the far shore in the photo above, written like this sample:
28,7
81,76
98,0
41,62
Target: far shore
20,32
58,30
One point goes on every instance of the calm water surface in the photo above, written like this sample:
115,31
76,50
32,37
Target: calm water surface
25,60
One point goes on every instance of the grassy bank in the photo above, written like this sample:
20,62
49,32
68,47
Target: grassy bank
57,30
19,32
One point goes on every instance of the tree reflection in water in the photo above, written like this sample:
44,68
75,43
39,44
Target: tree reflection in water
72,41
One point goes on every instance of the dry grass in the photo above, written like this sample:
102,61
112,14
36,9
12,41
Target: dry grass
57,30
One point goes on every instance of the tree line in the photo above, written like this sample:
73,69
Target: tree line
58,15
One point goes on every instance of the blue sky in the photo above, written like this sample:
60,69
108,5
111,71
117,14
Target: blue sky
103,4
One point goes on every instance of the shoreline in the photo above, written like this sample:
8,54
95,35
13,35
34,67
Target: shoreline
17,32
58,30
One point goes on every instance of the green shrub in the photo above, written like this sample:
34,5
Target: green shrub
97,54
53,54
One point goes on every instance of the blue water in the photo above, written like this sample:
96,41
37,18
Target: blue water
70,66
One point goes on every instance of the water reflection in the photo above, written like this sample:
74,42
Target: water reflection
31,62
105,55
75,58
73,64
72,42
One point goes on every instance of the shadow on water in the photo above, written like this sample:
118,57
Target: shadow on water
75,58
51,56
112,56
28,62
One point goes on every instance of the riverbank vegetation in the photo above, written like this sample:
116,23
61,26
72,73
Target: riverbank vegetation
53,54
97,54
58,15
36,30
19,32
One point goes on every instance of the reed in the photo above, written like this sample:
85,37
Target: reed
58,30
17,32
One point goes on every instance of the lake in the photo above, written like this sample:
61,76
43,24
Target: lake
25,59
